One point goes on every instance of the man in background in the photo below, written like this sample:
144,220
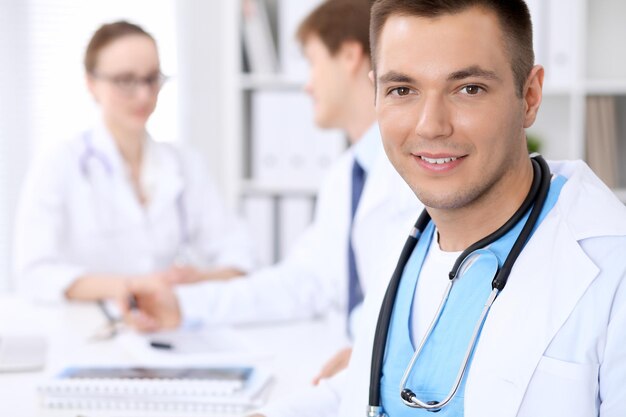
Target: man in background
364,210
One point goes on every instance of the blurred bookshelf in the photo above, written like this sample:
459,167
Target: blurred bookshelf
580,44
279,155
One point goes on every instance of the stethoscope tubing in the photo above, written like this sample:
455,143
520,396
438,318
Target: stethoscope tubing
536,197
382,328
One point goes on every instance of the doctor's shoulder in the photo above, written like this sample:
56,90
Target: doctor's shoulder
58,161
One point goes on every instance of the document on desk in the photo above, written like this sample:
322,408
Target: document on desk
204,389
193,343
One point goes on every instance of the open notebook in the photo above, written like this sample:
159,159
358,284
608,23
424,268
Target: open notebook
203,389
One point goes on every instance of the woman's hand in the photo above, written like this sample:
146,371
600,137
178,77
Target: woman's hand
151,304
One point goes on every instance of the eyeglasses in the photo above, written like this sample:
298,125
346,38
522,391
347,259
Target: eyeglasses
129,83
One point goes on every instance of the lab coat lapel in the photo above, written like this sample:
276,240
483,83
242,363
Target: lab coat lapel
374,192
525,317
113,188
379,187
164,178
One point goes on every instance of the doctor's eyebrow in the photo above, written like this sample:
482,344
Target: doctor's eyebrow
473,71
395,77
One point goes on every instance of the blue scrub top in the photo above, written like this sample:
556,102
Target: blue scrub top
438,364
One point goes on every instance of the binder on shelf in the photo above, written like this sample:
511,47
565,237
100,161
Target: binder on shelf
258,212
277,221
259,45
287,148
562,43
290,14
228,389
620,112
602,138
539,14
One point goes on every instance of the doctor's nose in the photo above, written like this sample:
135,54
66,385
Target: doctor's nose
145,92
433,120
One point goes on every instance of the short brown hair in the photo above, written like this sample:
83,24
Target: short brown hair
513,16
106,34
336,22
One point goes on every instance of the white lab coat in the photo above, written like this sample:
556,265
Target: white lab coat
554,342
78,214
313,279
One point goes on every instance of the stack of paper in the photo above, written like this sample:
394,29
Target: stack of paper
207,389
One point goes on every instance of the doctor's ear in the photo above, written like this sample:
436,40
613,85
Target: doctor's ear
533,91
352,55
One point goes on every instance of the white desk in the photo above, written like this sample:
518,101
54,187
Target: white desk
292,352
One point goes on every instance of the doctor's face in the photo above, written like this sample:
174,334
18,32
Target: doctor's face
126,82
446,101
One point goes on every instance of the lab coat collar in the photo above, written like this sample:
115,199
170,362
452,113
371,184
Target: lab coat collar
383,181
537,301
163,176
162,168
585,195
368,148
103,142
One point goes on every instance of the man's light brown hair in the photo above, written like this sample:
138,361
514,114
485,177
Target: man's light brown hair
513,16
336,22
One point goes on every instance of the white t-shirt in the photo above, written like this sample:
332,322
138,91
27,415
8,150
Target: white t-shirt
431,286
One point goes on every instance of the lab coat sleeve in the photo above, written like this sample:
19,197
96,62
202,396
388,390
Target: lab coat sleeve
219,235
613,366
287,291
40,267
313,401
305,284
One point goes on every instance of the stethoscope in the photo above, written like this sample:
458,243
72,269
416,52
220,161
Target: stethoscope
536,198
90,152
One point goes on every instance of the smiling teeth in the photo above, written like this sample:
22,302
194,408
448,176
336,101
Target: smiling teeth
438,160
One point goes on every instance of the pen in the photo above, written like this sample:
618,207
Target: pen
133,304
103,308
161,345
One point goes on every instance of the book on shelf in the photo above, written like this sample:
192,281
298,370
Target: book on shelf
258,212
277,222
287,148
258,42
205,389
290,14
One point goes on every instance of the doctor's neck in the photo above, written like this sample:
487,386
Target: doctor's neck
460,227
129,143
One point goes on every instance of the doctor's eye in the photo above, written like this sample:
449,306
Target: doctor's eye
400,91
472,90
125,82
129,83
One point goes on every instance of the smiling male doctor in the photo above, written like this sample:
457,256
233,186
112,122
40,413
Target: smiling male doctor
455,90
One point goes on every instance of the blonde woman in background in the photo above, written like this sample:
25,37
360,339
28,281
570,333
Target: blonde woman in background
113,206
